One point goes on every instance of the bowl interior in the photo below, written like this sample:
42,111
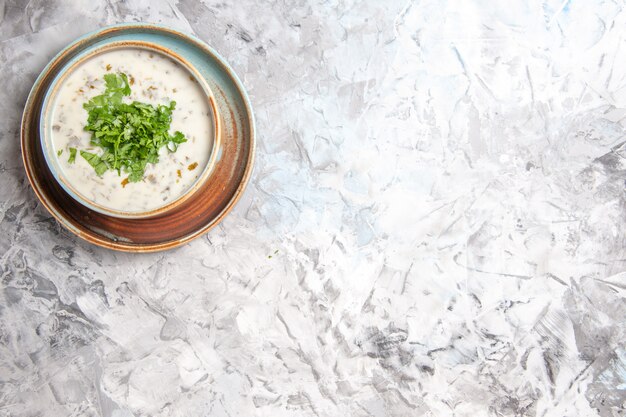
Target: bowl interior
47,127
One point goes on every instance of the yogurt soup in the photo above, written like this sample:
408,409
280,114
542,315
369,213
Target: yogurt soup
154,79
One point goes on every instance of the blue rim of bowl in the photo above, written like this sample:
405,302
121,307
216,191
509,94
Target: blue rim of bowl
48,106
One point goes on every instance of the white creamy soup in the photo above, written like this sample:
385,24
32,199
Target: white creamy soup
155,79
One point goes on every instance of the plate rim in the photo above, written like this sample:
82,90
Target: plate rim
120,245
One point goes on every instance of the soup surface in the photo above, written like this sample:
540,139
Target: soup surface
154,79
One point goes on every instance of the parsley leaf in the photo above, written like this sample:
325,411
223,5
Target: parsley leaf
95,161
72,157
130,135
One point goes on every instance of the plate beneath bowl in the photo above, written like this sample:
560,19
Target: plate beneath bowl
200,212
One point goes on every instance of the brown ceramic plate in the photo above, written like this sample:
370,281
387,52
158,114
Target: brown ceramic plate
198,213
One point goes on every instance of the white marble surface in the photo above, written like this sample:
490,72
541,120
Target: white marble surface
436,223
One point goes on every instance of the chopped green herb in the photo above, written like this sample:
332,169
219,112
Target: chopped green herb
72,157
95,161
130,135
59,152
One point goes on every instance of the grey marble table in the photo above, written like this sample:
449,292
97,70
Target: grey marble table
436,223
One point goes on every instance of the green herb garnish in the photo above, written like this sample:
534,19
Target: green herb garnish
59,152
130,135
72,157
94,160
